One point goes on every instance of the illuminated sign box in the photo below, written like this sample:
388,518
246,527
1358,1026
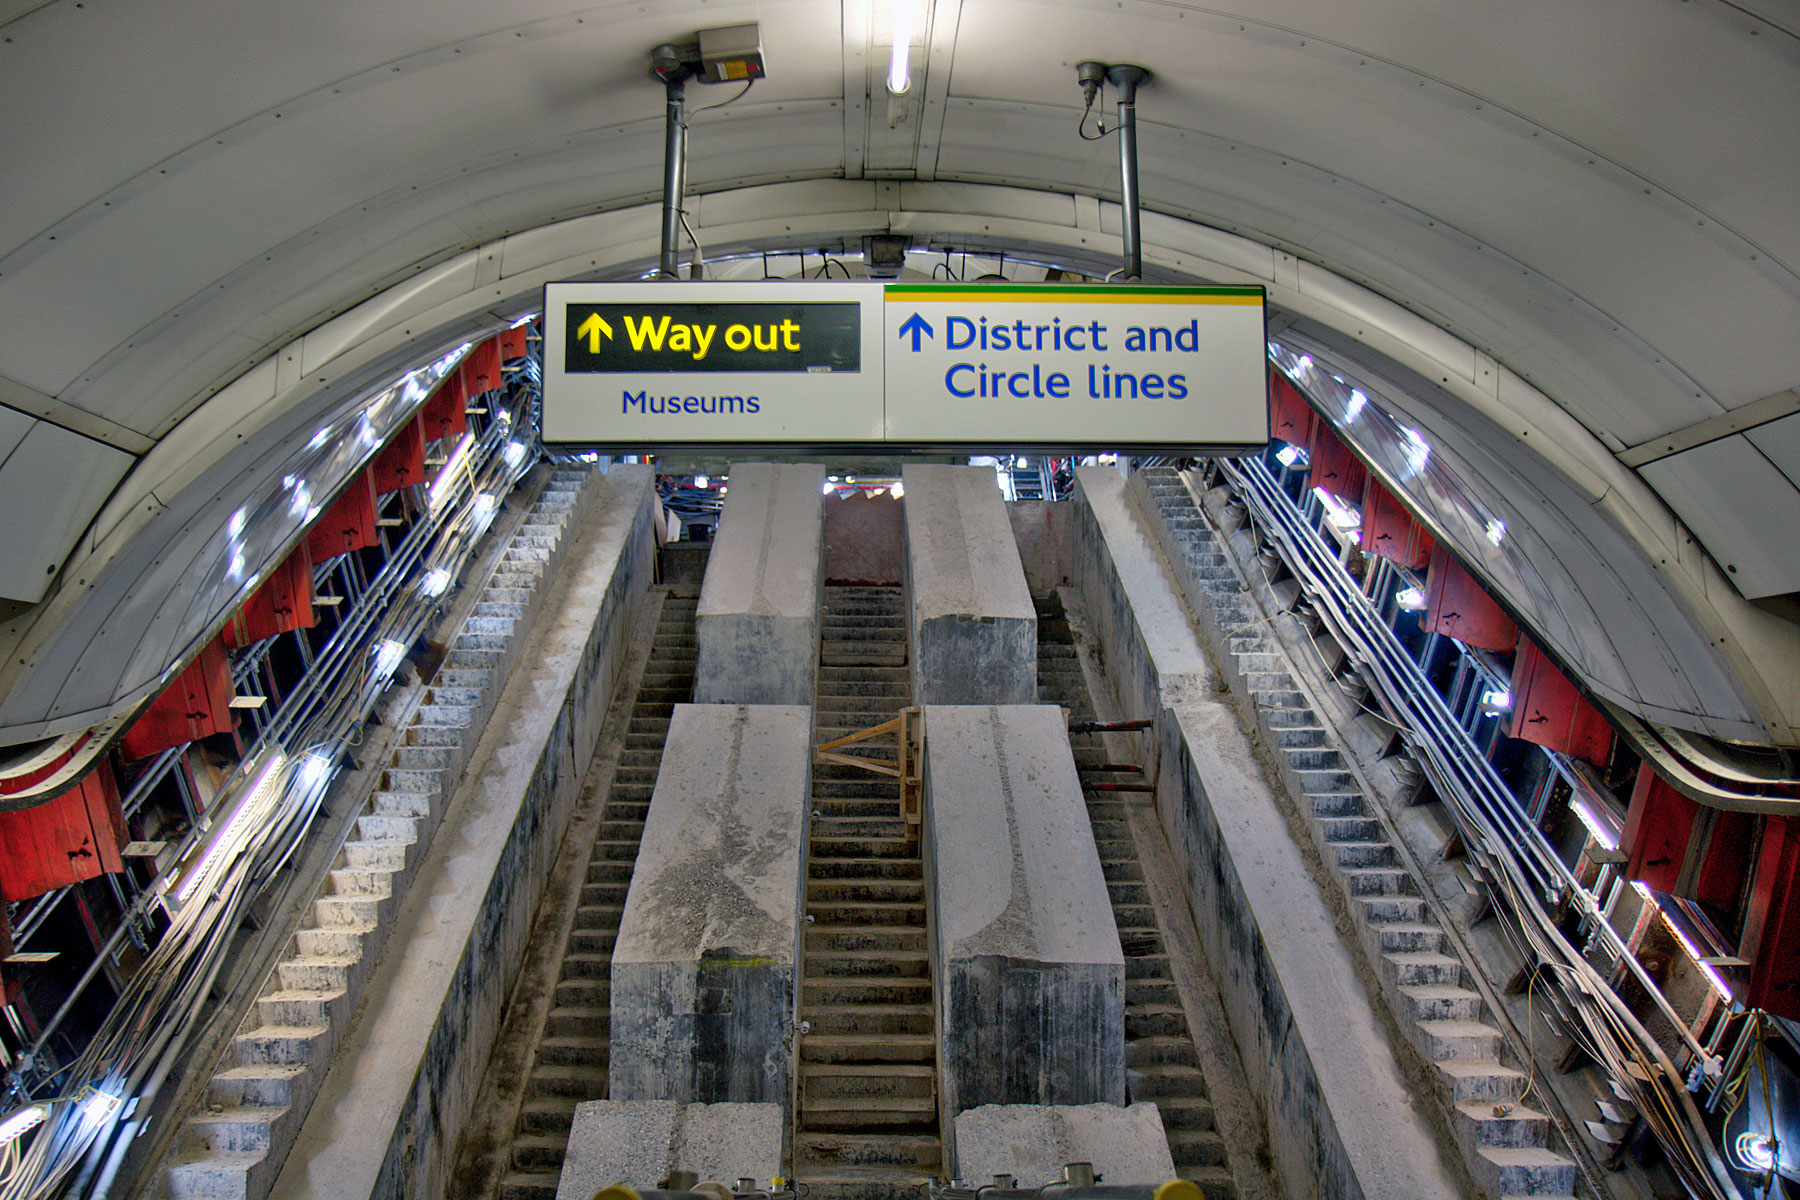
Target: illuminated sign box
645,366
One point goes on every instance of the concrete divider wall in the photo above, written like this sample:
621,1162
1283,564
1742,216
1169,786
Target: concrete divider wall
400,1088
1141,633
972,629
705,971
1340,1114
1029,974
757,626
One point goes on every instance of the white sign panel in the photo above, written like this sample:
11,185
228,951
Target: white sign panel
642,365
1075,365
639,366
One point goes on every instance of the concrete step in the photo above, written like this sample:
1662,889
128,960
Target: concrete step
237,1128
832,938
294,1007
1478,1125
1400,937
869,1112
1438,1003
269,1084
865,963
1482,1081
288,1045
837,1080
217,1175
837,991
1523,1171
887,1049
867,1150
1421,970
568,1082
1458,1041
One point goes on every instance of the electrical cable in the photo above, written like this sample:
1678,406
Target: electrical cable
1087,109
1511,856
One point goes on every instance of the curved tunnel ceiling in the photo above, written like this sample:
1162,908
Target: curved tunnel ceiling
1597,197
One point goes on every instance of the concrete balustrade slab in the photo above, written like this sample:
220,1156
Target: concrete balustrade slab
1030,976
757,627
1343,1119
705,969
638,1142
1033,1142
972,629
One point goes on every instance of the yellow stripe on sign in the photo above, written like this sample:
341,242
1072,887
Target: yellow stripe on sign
1053,298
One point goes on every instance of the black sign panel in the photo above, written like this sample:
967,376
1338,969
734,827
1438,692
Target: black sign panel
622,338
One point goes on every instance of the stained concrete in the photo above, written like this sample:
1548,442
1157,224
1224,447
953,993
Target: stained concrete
393,1105
1029,973
863,539
1033,1142
705,968
639,1142
757,627
972,629
1341,1115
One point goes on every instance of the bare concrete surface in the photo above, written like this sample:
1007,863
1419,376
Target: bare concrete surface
391,1108
1033,1142
1236,1113
972,630
757,629
638,1142
1030,975
704,972
485,1154
1341,1116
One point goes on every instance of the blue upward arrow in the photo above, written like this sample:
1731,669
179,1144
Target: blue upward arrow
915,325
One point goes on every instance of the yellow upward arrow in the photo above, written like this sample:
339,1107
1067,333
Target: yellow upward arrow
591,329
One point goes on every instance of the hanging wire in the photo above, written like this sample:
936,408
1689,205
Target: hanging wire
748,84
1087,110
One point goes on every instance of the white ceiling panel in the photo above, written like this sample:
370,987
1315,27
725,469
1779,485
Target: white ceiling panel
50,487
1598,194
1780,443
14,425
1741,507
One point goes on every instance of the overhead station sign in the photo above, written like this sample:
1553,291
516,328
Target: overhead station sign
643,366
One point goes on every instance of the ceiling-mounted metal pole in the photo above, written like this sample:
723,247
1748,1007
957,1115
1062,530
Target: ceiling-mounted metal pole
1125,79
674,176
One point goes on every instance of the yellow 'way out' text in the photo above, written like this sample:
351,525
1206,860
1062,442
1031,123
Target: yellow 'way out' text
659,334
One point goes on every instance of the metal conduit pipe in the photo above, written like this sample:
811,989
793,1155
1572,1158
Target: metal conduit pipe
674,175
1522,870
1126,78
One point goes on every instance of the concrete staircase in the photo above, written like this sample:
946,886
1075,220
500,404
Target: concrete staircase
1505,1144
235,1144
571,1057
867,1117
1162,1066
